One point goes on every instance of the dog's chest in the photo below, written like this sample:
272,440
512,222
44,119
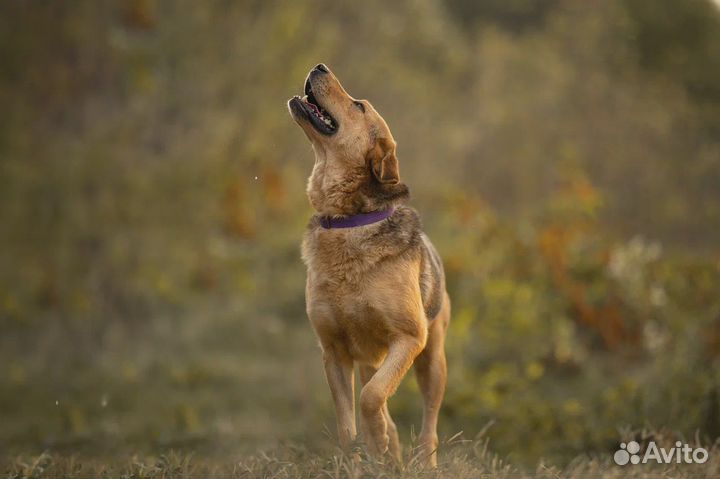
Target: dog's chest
352,319
361,284
343,297
340,259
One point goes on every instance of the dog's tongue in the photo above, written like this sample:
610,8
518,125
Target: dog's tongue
314,107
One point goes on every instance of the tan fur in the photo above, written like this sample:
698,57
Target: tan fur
369,287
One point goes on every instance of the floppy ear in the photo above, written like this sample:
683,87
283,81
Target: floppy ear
387,168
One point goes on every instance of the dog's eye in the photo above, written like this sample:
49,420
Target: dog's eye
360,105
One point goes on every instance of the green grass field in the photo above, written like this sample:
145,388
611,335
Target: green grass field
460,460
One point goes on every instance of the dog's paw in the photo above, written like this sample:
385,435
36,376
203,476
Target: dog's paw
427,446
379,446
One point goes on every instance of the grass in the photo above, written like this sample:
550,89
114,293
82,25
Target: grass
459,459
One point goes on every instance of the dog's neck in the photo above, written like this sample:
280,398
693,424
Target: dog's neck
335,190
353,221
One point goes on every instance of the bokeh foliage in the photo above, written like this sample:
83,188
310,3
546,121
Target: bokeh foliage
565,157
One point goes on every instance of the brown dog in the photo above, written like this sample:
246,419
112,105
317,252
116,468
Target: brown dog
375,286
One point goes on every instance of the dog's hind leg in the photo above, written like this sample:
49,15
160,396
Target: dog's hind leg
431,372
366,373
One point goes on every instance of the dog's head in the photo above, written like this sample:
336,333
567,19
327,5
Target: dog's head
356,167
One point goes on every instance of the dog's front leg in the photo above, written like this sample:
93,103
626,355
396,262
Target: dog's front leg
366,373
382,385
339,372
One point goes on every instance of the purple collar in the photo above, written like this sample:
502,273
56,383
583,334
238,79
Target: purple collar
362,219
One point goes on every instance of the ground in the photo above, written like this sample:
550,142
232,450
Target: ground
459,460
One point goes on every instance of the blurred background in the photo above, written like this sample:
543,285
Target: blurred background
565,157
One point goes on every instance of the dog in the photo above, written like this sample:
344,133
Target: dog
375,291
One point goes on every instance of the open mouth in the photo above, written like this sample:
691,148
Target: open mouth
319,118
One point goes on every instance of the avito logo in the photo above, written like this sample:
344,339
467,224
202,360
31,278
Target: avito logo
681,453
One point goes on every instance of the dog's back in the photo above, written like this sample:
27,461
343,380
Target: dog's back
432,279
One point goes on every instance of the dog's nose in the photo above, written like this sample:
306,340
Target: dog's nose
321,67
